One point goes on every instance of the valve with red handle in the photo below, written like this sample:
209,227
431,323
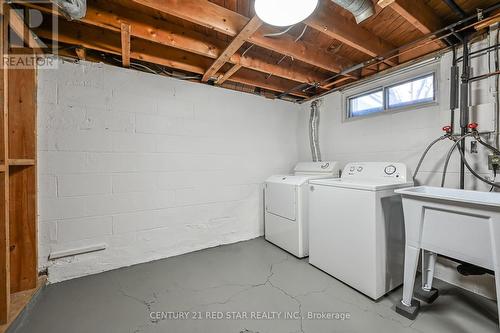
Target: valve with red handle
447,129
473,126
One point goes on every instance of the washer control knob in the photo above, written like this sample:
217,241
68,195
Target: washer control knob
360,169
390,170
352,169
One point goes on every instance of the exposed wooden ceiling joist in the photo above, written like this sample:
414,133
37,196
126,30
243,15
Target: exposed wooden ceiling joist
348,32
223,20
110,42
233,47
228,74
418,14
125,41
168,34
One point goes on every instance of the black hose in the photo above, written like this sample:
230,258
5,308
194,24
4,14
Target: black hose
495,150
462,155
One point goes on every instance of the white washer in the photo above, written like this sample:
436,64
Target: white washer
356,226
286,201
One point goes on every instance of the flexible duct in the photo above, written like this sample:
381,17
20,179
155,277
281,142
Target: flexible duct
314,132
361,9
72,9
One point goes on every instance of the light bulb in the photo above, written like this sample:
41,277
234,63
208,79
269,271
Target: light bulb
283,13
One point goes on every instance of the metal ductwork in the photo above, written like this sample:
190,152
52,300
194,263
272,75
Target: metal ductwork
314,132
361,9
72,9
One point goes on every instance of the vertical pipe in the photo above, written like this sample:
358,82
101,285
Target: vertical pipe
314,132
464,105
454,88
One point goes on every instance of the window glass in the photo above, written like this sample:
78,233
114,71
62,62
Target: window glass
417,91
366,104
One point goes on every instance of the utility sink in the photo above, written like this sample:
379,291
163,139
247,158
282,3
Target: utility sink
460,224
451,194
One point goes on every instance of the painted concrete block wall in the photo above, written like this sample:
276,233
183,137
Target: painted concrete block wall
402,137
151,166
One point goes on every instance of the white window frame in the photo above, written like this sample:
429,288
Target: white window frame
388,81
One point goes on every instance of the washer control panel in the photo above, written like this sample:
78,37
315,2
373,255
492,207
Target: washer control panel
376,170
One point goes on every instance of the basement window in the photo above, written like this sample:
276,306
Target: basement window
416,91
367,103
410,93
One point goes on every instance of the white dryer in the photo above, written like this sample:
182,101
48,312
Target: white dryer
286,201
356,226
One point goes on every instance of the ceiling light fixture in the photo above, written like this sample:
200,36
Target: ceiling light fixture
283,13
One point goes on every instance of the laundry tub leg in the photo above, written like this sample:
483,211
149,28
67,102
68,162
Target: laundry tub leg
427,293
409,307
495,249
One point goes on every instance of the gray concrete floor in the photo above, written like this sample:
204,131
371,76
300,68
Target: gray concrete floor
247,278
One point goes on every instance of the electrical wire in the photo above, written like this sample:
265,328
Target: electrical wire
281,33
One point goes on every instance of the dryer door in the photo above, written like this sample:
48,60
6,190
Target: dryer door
281,200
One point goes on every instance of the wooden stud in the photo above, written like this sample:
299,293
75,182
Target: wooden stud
228,74
234,46
125,34
22,180
4,177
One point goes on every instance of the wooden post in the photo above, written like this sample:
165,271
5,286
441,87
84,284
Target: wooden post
4,176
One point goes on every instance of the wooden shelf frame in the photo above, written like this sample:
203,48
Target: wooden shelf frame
21,162
18,183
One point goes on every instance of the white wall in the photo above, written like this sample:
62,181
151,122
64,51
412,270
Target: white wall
151,166
402,137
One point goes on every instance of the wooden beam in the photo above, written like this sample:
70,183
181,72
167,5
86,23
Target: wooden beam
201,12
338,81
275,84
228,74
384,3
488,22
304,51
223,20
234,46
332,23
164,33
418,14
109,42
125,41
